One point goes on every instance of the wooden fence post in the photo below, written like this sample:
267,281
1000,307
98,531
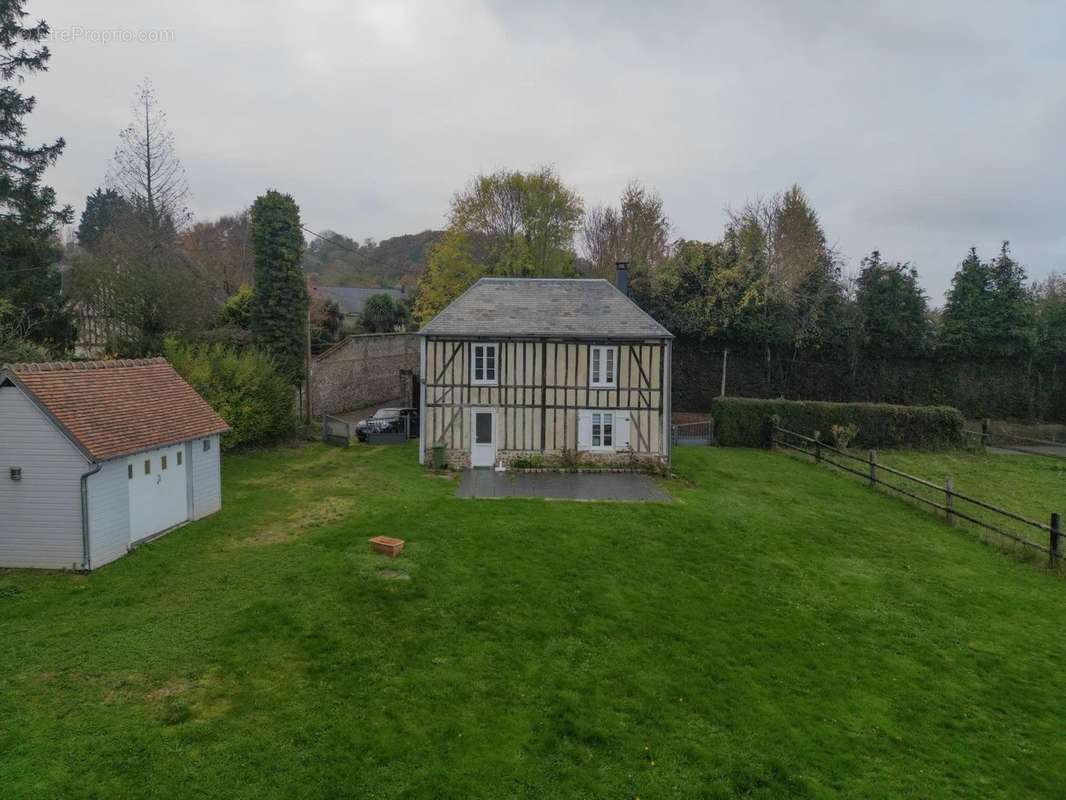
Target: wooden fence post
1054,541
950,497
873,469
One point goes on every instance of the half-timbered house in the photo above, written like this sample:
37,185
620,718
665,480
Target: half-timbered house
567,369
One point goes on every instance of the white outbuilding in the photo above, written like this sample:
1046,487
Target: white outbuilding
98,457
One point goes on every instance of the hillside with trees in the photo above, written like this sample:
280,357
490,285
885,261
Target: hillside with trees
338,260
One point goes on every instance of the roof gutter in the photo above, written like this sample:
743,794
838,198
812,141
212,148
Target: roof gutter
546,337
86,561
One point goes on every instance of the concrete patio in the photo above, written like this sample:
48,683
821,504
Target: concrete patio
618,487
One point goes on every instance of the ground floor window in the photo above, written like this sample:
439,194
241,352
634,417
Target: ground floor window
602,430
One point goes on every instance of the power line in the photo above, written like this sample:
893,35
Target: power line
4,272
331,241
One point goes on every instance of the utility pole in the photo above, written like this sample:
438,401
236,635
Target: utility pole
725,364
307,357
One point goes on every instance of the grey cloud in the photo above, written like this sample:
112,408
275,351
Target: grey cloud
916,128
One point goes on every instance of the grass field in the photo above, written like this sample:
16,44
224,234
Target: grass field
777,631
1027,484
1033,486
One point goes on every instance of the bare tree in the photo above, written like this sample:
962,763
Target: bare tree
223,250
638,231
600,235
146,170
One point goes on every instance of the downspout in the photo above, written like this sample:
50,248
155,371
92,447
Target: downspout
86,563
668,401
422,400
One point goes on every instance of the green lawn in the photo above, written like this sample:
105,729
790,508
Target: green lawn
778,631
1026,484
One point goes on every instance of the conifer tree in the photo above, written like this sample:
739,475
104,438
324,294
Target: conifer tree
279,312
29,216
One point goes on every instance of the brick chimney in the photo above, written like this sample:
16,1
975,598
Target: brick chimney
622,276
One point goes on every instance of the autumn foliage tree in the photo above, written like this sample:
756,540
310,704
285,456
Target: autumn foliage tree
509,223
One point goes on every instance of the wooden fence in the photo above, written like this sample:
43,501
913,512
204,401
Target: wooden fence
870,469
1005,440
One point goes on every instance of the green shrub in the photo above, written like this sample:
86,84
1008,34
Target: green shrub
741,422
535,461
237,310
243,386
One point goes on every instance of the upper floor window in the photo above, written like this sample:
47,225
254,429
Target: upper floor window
603,366
483,366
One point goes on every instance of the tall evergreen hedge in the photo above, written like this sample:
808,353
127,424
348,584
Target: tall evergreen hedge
243,387
741,422
279,310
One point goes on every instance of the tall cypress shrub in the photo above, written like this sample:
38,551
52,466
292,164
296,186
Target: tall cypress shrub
279,312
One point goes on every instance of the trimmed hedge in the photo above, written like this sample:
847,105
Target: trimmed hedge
741,422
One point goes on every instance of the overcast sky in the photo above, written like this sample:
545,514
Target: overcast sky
916,128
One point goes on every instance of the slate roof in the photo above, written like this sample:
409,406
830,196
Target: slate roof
573,308
117,408
353,300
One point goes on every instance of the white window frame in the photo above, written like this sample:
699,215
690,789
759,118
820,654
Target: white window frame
602,419
598,375
484,381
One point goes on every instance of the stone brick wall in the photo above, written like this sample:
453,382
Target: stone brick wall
364,371
460,459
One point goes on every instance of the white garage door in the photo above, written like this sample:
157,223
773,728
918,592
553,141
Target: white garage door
158,498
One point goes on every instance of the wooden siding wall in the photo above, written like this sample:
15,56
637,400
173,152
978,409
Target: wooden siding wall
541,386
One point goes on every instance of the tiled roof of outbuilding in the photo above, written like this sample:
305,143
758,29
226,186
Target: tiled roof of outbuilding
115,408
575,308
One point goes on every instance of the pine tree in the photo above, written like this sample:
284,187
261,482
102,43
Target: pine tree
29,216
279,313
104,209
893,308
989,313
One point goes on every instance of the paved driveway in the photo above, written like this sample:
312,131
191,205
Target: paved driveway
1030,449
620,487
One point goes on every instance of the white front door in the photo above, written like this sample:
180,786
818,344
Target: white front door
482,437
158,486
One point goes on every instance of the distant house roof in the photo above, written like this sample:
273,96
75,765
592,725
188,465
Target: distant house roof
117,408
578,308
352,300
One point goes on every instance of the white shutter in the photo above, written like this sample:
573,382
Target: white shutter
621,430
584,430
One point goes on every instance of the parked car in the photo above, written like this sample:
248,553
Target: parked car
388,420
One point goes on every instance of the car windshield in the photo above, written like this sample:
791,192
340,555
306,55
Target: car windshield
386,413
